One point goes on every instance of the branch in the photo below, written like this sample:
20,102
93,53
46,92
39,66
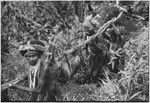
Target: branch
13,82
100,31
120,8
128,13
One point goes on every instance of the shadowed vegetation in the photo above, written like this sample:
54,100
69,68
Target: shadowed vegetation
106,42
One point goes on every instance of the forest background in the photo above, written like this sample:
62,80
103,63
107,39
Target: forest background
67,24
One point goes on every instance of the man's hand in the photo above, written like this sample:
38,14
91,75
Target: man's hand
24,88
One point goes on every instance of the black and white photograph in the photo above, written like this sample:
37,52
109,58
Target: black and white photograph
75,51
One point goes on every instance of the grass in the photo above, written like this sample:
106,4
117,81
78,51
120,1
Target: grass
133,85
130,84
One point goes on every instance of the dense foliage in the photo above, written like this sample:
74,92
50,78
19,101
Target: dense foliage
113,67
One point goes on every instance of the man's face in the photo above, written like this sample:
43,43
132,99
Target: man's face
32,57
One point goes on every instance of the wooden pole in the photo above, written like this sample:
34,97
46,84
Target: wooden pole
13,82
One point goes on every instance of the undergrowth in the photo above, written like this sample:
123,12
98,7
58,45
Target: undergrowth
22,21
133,83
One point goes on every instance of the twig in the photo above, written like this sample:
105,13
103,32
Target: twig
129,14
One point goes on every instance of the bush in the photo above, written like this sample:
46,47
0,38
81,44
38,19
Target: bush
111,67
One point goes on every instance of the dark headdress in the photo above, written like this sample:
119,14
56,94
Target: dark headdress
35,45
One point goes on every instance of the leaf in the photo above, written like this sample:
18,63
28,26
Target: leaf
87,21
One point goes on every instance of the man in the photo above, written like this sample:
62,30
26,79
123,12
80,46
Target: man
42,73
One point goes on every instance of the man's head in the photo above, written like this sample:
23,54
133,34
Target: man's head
32,51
